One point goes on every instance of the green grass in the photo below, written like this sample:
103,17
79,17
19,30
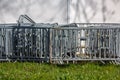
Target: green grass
38,71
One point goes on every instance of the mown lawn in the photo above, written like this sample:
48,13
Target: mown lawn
40,71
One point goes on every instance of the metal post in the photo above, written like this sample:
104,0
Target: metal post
50,47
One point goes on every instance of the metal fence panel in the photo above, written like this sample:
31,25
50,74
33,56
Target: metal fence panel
90,43
51,42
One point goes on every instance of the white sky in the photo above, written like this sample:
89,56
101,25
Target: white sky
55,11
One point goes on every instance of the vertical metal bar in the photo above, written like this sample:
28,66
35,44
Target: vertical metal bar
54,41
61,41
43,55
46,43
39,52
36,45
114,41
68,50
95,42
28,42
73,44
99,42
66,38
60,45
75,38
17,40
119,43
111,43
109,48
53,31
32,43
115,44
40,43
104,43
79,35
23,42
50,46
90,52
1,43
70,43
25,35
86,43
92,43
6,44
56,44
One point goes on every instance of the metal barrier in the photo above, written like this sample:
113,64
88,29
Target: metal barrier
59,43
96,43
25,42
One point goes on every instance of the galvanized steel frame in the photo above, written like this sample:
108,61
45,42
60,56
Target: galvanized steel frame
59,43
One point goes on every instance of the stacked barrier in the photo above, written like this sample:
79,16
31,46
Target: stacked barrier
88,43
59,43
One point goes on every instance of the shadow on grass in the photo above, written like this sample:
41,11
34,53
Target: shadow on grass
62,65
82,63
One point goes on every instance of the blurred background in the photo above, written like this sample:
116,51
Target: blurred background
61,11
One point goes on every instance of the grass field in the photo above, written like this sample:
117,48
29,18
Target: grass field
40,71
